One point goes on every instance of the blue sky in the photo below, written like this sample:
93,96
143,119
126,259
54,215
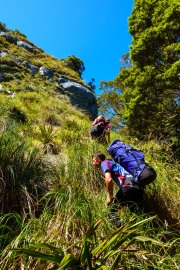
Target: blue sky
96,31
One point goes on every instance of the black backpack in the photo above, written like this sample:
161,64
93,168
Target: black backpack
96,131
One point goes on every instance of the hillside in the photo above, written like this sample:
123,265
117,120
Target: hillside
26,69
53,213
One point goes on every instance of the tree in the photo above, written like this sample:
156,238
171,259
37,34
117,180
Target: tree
92,84
110,101
111,104
3,26
74,63
151,86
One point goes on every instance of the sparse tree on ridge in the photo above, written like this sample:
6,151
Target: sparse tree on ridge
92,84
74,63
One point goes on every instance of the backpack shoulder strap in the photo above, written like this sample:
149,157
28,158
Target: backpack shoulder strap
108,164
111,167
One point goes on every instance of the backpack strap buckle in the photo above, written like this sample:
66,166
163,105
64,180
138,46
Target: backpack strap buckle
129,180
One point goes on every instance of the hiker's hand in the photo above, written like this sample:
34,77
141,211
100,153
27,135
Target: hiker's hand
109,201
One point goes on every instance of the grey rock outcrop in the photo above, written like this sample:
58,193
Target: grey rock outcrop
80,96
46,72
3,53
25,45
8,37
33,68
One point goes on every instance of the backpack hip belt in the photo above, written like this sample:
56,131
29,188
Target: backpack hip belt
129,182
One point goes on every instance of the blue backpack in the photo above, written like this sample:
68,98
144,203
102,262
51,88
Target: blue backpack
133,161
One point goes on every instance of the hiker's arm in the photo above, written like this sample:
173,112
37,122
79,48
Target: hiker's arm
99,123
109,186
94,123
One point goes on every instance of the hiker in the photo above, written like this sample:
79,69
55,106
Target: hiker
99,121
97,129
107,127
129,193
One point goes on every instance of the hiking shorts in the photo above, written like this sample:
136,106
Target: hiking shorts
129,196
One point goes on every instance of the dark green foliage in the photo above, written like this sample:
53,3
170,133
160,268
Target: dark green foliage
7,77
18,33
128,247
47,135
17,115
151,86
148,83
52,120
11,225
92,85
2,26
74,63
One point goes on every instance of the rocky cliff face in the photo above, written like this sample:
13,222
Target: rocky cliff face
20,58
79,96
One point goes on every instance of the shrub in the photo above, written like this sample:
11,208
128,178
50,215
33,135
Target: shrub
3,27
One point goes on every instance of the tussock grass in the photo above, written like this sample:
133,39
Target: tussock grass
73,204
58,197
22,175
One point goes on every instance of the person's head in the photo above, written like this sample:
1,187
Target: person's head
98,157
107,120
101,117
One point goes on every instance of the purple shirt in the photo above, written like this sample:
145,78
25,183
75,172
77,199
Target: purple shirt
116,170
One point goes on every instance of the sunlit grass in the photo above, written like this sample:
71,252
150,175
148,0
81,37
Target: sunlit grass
76,197
74,203
74,194
52,237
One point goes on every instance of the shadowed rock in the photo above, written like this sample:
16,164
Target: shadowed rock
3,53
25,45
46,72
80,96
33,68
8,37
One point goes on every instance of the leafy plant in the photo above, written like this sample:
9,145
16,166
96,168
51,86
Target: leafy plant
108,253
46,135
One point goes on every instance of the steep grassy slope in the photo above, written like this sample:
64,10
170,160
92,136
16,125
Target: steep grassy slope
34,55
71,199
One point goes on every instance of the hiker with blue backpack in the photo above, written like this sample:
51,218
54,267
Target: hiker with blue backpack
129,193
129,171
